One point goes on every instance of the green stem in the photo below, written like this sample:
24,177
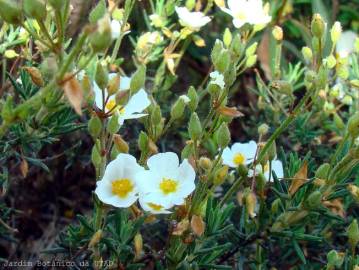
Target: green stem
284,125
232,190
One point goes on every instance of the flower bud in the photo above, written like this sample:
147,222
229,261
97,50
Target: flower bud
220,176
347,100
323,171
10,11
57,4
275,206
353,233
35,9
194,127
138,79
223,136
114,85
251,50
251,203
138,243
223,61
277,33
227,37
190,4
251,61
282,87
177,109
113,125
98,12
102,38
335,259
96,157
156,115
336,32
314,199
101,76
205,163
143,142
353,125
120,144
217,48
272,151
95,126
194,100
307,54
35,75
318,26
263,129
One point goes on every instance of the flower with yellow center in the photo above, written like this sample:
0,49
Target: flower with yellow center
134,107
248,11
155,205
118,186
239,154
167,182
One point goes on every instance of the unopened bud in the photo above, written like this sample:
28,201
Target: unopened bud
205,163
101,76
314,199
223,136
251,50
335,259
251,61
138,243
336,32
35,75
307,54
95,126
318,26
195,127
222,62
113,124
227,37
143,141
251,203
96,157
263,129
193,103
177,109
120,144
114,85
353,233
138,79
220,176
282,87
277,33
102,38
156,115
330,61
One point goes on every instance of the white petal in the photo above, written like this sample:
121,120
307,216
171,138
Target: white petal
115,29
152,198
248,150
228,157
137,104
125,83
98,96
165,164
147,181
277,167
346,42
186,176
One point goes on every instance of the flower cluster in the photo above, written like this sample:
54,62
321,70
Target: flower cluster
164,184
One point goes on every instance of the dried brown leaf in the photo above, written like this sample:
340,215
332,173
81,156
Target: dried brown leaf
198,225
299,179
74,93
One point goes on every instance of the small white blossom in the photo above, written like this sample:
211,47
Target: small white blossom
247,11
192,20
239,154
167,182
217,78
118,186
346,43
277,168
134,107
185,99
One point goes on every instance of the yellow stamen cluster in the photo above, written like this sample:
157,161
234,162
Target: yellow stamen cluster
122,187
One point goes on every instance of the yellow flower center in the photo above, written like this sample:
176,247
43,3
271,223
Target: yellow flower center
122,187
239,159
155,207
168,186
241,16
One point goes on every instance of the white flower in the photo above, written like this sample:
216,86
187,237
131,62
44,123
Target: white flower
118,186
277,168
167,182
346,43
132,110
192,20
248,11
217,78
115,29
239,154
